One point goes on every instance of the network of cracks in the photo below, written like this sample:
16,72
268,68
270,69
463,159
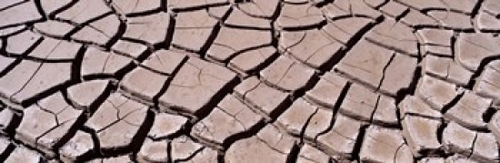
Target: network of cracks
243,81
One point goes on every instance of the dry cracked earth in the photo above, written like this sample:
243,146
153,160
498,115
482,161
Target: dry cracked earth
243,81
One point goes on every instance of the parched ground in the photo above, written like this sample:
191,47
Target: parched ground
250,81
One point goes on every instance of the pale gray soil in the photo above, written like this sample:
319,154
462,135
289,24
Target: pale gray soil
250,81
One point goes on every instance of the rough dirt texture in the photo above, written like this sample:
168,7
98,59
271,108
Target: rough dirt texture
245,81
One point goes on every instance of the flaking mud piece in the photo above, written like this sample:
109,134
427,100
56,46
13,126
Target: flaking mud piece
134,6
260,8
432,160
319,47
20,43
10,3
136,84
35,77
28,38
145,82
287,74
312,47
362,104
296,1
393,9
432,4
7,117
34,81
12,30
446,69
458,158
166,125
375,3
80,145
436,92
4,144
129,48
193,30
421,134
193,4
346,8
99,62
99,32
384,145
328,90
486,85
53,49
310,154
240,19
398,75
23,13
50,7
473,48
462,6
85,94
47,122
5,62
379,68
181,149
219,12
250,61
299,16
121,159
487,21
229,118
341,139
23,154
226,45
269,145
413,105
494,125
469,111
436,42
164,61
492,7
344,30
303,117
154,151
195,85
54,28
117,122
84,11
484,150
150,28
267,100
458,139
394,35
452,20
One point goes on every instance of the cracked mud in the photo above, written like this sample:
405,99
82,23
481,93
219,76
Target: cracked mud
244,81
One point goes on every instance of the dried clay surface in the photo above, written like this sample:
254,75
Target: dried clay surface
250,81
